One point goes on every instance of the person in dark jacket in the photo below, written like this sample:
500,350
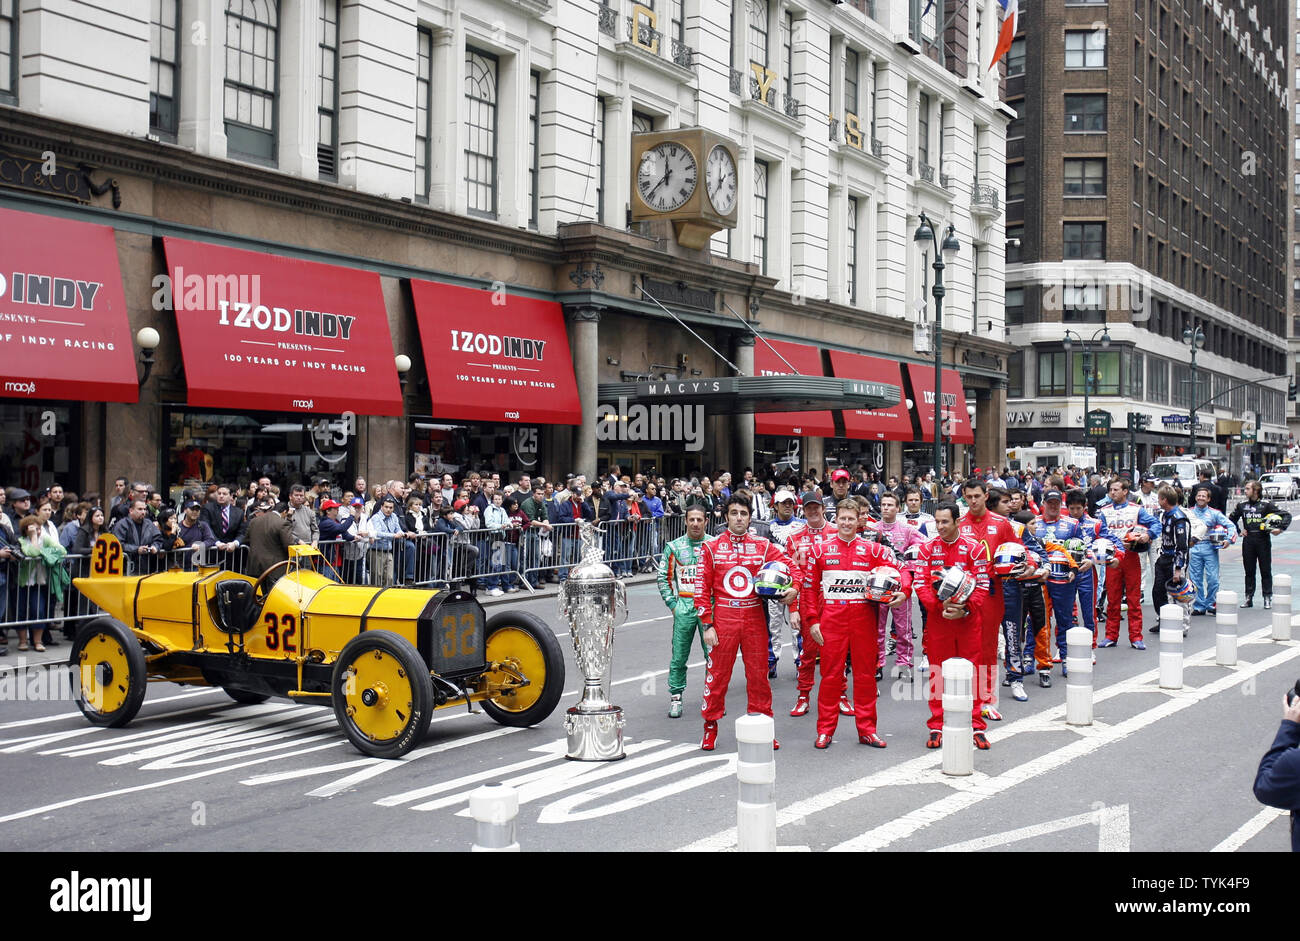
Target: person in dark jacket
1218,496
1257,547
569,510
193,532
1277,783
140,537
270,535
333,533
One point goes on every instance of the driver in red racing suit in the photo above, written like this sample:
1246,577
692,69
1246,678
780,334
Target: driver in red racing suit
732,614
841,619
951,630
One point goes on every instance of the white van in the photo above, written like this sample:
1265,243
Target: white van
1179,470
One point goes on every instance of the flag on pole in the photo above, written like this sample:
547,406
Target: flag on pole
1010,23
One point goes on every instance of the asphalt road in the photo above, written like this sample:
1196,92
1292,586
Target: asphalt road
1158,771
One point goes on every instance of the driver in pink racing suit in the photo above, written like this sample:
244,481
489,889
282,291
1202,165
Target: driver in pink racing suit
898,534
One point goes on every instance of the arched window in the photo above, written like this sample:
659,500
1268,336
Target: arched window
252,63
481,131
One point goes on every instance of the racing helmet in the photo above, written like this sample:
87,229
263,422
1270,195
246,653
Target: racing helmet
1196,530
1222,536
1131,534
1271,521
1008,557
1181,590
882,582
1060,570
1030,568
912,553
1104,552
1077,549
773,579
954,584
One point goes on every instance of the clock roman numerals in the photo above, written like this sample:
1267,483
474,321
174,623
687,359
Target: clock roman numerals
667,176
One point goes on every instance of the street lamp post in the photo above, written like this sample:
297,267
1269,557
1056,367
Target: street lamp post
1194,337
1087,367
925,231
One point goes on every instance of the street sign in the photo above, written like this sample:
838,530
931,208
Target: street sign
1098,423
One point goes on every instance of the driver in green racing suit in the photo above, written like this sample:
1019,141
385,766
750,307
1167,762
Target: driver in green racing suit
677,588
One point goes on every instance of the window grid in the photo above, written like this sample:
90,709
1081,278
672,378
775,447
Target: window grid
923,129
1016,58
1085,49
534,86
164,55
760,214
1051,372
481,133
600,159
1085,177
9,50
251,84
642,123
787,50
1085,113
851,250
851,82
1015,306
423,110
758,32
327,144
1015,182
1085,240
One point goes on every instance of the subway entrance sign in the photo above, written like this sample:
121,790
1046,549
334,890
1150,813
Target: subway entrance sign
1098,424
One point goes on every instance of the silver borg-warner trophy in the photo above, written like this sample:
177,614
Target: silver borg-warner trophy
594,602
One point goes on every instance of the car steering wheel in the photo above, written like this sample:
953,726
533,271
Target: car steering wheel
258,586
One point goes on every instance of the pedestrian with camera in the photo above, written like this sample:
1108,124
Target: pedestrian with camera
1277,783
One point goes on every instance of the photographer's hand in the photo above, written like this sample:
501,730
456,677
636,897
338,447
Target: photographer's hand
1291,712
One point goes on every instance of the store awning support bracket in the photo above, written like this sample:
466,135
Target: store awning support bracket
761,337
682,323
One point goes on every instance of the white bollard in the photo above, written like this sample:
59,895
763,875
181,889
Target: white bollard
1078,681
494,808
1226,629
1281,607
1171,646
958,700
756,774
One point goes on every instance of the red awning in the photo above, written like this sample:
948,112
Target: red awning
953,405
491,361
263,332
882,424
64,332
807,361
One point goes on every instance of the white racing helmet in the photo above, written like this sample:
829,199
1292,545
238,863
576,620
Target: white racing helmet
954,584
882,582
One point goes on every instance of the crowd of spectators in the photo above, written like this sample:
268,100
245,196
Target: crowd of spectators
481,532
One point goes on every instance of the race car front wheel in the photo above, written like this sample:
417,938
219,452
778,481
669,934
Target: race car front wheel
111,675
524,642
383,695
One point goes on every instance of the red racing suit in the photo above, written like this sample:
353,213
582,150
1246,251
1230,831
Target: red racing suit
945,639
988,531
802,545
725,600
834,597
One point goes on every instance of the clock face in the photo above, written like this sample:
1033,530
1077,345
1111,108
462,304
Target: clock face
720,179
666,178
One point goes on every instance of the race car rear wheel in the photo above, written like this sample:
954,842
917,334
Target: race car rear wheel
111,674
525,642
383,695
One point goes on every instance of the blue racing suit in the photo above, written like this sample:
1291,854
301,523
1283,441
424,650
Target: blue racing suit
1018,650
1061,596
1203,559
1089,584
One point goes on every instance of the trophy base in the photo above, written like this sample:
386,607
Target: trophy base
594,736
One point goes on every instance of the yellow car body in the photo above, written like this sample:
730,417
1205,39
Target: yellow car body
385,658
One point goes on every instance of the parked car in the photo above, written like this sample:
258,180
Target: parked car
1184,472
1280,486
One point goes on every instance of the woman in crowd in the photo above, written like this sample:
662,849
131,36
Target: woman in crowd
73,517
517,523
653,508
41,575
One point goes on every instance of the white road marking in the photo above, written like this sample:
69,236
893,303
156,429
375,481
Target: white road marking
76,714
562,811
276,777
561,776
921,769
1248,830
549,753
153,785
665,617
365,774
1112,832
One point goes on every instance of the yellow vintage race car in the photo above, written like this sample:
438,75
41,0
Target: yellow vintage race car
384,658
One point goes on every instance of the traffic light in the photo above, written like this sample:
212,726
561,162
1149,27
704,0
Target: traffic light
1132,421
1291,391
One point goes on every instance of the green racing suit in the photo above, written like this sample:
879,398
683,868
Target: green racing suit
677,588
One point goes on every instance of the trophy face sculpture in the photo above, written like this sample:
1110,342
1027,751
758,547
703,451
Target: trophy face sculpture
594,602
